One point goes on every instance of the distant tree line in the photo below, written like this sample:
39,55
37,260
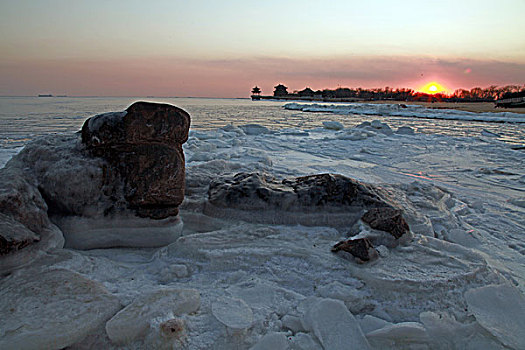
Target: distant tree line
476,94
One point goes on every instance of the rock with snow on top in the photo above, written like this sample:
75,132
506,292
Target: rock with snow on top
314,200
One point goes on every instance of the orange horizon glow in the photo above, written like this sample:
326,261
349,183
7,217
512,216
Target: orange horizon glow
433,88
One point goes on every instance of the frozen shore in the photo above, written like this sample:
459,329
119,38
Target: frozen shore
410,110
230,282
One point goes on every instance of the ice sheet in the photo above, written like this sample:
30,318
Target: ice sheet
467,222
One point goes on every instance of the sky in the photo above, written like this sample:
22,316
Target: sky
224,48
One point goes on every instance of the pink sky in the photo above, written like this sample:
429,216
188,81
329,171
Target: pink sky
161,76
224,48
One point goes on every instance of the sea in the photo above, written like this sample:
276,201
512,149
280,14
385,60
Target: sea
23,119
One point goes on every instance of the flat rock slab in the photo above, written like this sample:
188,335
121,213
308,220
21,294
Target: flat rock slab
52,309
500,309
134,320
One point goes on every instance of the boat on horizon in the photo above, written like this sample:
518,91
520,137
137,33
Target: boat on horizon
45,95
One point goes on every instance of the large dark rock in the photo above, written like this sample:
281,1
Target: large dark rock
123,169
254,191
143,148
315,200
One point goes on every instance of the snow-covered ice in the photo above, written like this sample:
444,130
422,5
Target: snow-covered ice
414,111
457,282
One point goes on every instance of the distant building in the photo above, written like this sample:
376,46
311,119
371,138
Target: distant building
280,90
306,92
256,91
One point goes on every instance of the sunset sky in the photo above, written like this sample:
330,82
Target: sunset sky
224,48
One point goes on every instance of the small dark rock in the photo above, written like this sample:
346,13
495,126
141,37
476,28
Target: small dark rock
360,248
386,219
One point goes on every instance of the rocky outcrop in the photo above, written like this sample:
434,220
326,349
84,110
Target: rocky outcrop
143,148
124,167
255,191
315,200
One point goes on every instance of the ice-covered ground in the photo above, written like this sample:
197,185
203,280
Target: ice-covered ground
458,283
413,111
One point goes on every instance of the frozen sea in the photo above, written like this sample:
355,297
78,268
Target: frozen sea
458,284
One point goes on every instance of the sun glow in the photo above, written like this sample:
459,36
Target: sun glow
433,88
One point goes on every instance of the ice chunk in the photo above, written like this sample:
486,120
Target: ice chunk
254,129
399,334
405,130
500,309
446,333
134,320
124,231
350,295
371,323
304,341
274,341
333,125
382,127
292,323
52,309
233,313
334,326
487,133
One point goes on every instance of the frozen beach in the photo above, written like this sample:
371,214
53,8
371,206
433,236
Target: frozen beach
237,281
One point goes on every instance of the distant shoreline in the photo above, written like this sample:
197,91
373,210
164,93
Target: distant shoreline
474,107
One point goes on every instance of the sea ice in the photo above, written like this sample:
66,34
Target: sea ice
399,335
273,341
51,309
234,313
254,129
405,130
334,326
501,310
333,125
134,320
123,231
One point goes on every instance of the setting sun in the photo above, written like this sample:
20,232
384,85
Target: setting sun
433,88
